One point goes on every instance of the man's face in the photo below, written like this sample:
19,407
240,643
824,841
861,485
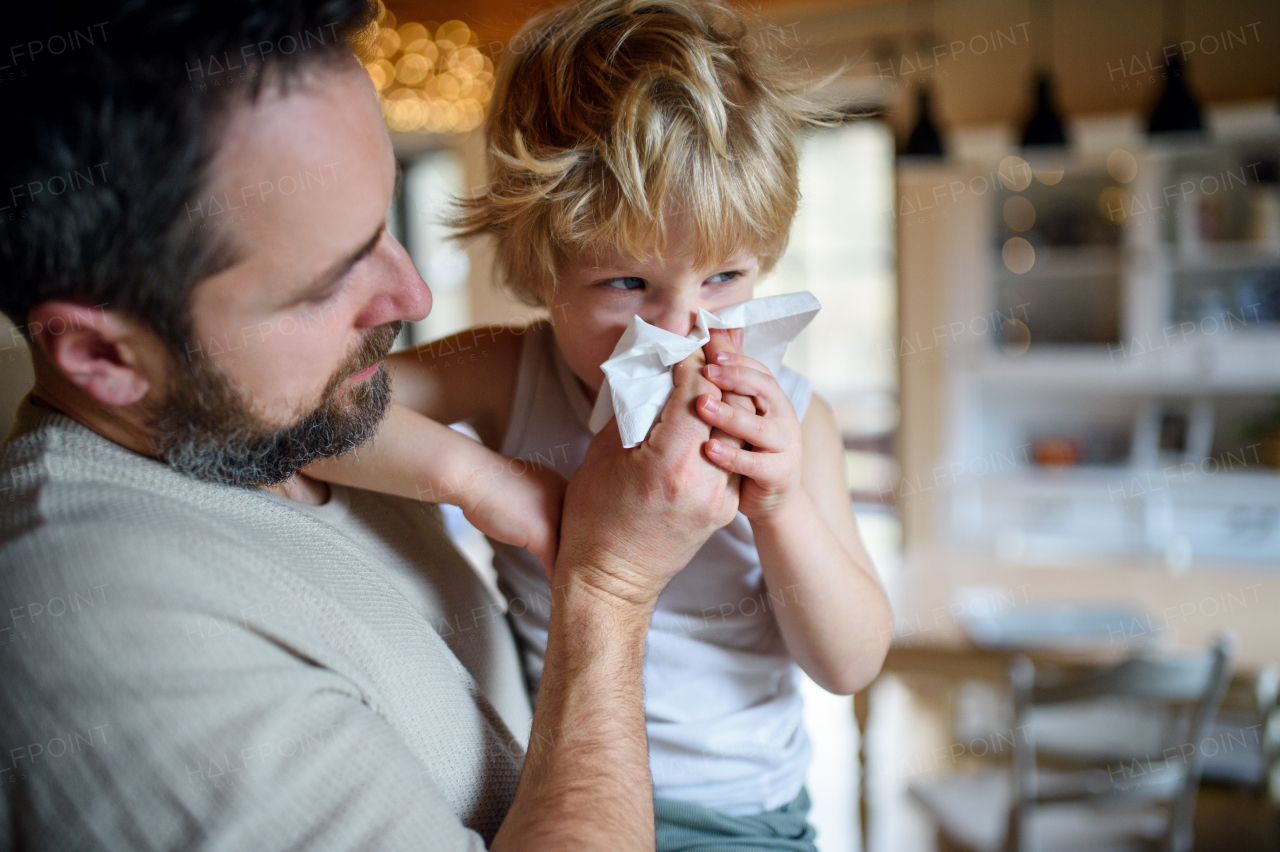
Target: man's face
285,361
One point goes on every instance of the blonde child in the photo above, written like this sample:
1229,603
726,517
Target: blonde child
643,162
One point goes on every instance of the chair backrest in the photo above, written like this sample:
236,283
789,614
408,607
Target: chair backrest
1267,689
1192,684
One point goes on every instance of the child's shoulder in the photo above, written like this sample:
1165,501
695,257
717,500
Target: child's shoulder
492,345
469,375
797,388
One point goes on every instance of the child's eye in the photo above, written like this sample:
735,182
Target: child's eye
630,283
721,277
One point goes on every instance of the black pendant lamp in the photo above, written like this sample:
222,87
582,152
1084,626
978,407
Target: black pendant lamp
924,140
1176,111
1044,127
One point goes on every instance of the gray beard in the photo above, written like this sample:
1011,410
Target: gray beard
206,430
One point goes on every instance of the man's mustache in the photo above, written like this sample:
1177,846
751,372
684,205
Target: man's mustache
376,347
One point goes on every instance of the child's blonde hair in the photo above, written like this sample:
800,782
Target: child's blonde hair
609,115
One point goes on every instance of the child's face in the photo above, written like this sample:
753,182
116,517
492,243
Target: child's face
599,293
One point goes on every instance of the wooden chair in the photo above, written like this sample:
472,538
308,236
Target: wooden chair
1267,688
1078,780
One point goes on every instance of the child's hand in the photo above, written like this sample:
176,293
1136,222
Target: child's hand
769,459
521,509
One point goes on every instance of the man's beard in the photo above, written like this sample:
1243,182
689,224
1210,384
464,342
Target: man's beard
205,428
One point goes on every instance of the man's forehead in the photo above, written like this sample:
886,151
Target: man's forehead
304,169
319,114
302,178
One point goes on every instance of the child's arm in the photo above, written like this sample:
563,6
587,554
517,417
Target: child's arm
469,376
415,457
834,615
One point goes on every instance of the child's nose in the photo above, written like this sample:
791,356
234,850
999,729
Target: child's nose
675,318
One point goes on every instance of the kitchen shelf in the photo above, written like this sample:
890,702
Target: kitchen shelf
1152,345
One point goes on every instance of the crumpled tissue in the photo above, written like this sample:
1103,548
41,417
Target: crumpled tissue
638,379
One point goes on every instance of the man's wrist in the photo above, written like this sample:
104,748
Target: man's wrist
593,623
604,580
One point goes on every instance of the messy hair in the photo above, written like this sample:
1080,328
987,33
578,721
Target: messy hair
611,115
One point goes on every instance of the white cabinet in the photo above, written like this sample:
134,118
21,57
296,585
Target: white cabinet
1132,360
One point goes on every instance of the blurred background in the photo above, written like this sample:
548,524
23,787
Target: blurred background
1047,242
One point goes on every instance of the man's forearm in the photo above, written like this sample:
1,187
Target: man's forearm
586,782
632,519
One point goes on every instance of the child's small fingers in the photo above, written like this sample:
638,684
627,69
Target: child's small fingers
752,465
706,403
764,388
740,401
725,437
752,428
720,341
725,358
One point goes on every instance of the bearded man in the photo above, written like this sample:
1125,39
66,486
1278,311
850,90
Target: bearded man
200,647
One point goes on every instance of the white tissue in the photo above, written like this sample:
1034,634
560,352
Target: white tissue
638,379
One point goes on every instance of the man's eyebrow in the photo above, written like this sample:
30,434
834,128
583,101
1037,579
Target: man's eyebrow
318,288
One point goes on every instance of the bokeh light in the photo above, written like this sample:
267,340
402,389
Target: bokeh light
429,78
1015,173
1015,337
1018,255
1111,204
1019,213
1122,166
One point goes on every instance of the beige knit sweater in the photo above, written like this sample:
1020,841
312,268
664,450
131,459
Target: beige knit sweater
188,665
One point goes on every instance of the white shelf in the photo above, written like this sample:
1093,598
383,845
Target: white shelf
1069,262
1116,400
1223,256
1229,362
1183,514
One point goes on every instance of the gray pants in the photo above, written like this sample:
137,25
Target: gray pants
684,827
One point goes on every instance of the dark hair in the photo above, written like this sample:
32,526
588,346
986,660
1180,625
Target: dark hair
112,112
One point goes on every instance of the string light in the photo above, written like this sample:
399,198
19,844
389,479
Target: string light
437,81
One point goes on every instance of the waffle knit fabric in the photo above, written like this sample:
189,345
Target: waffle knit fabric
192,665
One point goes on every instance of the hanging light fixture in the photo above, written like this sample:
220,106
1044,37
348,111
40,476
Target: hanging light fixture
1044,126
924,140
1177,110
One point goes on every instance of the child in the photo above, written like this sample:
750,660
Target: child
643,162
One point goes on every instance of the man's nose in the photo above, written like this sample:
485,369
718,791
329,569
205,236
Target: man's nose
399,293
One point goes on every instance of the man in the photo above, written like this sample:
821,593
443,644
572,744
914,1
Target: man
200,647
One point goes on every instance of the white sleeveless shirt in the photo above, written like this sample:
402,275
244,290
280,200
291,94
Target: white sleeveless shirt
722,702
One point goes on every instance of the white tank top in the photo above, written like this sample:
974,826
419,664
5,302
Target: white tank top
722,702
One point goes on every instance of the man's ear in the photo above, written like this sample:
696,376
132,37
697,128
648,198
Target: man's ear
99,351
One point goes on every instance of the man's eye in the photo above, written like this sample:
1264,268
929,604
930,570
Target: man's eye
721,277
625,283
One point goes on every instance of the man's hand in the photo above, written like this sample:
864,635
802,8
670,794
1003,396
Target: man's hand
634,518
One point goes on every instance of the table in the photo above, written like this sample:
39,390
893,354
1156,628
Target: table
1183,610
